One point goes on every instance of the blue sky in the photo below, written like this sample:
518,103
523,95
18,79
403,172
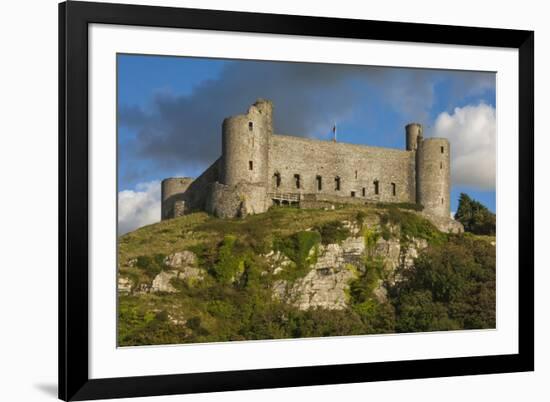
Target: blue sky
170,111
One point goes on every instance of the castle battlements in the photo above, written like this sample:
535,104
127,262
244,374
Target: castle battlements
259,168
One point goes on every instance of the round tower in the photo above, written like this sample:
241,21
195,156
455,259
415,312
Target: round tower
245,145
413,132
433,176
172,196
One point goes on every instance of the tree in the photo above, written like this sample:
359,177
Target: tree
475,216
451,286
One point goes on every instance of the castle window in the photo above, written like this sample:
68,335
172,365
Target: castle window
442,201
356,174
353,193
337,183
376,189
440,165
250,126
297,180
393,189
364,192
250,165
319,180
277,179
442,150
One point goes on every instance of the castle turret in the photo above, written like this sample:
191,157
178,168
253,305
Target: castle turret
245,145
433,176
172,196
413,132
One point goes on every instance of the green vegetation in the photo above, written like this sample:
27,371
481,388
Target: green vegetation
411,225
152,265
475,216
401,205
298,248
229,265
333,232
451,286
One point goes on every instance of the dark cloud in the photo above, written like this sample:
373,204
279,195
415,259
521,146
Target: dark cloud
179,131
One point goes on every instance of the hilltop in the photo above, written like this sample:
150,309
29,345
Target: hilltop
289,272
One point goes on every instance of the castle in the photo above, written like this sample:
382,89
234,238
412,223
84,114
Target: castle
259,168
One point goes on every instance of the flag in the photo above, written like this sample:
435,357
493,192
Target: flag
334,132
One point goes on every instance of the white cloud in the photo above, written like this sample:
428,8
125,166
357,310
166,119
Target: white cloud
138,208
471,131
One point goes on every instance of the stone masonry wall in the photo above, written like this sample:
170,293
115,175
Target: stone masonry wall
236,201
193,196
358,167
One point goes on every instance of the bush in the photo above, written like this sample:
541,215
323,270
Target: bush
297,248
451,286
412,225
475,217
228,265
333,232
152,265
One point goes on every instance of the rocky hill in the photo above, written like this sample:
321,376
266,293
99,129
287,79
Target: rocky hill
294,273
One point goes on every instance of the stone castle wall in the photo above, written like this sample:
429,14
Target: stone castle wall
236,201
356,167
434,176
182,195
256,165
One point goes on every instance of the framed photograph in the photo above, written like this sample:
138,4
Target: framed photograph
258,201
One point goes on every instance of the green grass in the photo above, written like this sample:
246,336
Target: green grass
234,301
411,226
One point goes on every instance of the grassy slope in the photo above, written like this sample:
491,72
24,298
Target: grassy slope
214,311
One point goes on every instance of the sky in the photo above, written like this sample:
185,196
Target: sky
170,111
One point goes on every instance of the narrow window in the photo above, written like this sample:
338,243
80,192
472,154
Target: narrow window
442,150
319,183
353,193
250,126
376,187
442,201
393,189
297,180
364,192
250,165
277,179
337,183
356,174
440,165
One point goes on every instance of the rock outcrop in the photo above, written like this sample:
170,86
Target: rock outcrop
181,259
163,281
326,284
320,288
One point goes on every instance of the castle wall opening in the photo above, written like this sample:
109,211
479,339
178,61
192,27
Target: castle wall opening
297,180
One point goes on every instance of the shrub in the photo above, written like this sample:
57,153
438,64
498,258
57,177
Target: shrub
475,217
412,225
297,248
451,286
228,264
152,265
333,232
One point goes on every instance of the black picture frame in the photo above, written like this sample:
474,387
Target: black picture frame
74,381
